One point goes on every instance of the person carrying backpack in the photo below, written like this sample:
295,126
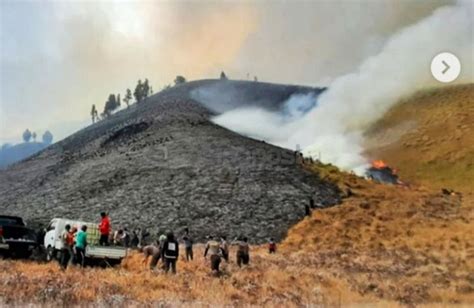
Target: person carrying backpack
170,252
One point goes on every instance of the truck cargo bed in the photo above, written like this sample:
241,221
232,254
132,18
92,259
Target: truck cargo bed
106,252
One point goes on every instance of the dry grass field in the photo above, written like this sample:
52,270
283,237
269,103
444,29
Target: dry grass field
384,245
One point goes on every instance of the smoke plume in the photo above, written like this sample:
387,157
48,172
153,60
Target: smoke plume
334,128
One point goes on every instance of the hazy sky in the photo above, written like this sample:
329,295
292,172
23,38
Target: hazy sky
58,58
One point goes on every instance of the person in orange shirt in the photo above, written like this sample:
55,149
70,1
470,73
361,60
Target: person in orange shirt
104,229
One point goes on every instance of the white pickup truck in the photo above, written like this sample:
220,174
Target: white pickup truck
52,242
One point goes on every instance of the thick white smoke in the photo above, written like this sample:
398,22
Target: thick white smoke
335,127
273,127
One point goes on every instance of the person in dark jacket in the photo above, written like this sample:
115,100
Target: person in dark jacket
170,252
307,210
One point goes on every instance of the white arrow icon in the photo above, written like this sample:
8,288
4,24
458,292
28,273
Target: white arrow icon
445,67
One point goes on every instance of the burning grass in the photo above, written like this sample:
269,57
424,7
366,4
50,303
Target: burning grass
429,137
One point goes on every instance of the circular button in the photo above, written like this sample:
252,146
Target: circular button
445,67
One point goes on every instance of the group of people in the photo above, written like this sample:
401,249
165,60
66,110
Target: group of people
74,241
165,248
74,244
217,249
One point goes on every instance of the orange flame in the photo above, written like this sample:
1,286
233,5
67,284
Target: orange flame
379,164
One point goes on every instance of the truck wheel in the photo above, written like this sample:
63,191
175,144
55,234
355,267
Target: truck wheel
23,253
50,254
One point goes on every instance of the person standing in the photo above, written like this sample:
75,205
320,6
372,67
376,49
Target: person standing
307,210
214,249
66,249
126,238
188,244
40,236
81,244
225,248
170,252
271,246
119,237
104,229
243,256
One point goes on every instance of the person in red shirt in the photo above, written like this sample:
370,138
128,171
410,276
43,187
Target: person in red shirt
272,246
104,229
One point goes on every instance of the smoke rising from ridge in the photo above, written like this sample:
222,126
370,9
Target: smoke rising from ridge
355,100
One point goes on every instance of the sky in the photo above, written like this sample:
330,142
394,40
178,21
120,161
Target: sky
57,58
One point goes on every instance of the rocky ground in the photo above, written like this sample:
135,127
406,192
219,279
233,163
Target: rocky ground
162,164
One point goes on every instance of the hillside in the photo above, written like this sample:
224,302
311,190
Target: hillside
384,245
162,164
410,245
429,138
17,152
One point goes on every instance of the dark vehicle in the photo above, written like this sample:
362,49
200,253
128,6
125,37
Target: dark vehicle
15,238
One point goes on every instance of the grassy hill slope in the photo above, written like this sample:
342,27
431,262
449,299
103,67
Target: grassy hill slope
411,245
429,138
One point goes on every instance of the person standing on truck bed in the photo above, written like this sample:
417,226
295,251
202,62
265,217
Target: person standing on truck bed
170,252
104,229
67,245
81,244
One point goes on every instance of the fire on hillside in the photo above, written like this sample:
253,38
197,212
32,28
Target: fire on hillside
382,173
